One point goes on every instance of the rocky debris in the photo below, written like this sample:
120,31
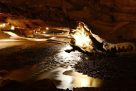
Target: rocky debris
116,71
108,67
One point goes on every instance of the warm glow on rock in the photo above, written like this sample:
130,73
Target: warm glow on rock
81,36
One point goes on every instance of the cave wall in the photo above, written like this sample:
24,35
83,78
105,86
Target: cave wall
113,20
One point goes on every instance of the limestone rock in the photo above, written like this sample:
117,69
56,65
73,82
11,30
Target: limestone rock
113,20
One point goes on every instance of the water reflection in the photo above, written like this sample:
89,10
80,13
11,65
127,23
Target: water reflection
68,57
63,76
67,75
70,79
81,80
57,75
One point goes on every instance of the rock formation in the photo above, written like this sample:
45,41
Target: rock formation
113,20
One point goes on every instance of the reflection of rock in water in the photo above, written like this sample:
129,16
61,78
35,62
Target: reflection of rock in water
81,80
67,78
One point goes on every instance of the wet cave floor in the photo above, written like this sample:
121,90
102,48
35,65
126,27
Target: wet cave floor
46,66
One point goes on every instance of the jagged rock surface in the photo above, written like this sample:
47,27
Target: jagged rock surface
113,20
